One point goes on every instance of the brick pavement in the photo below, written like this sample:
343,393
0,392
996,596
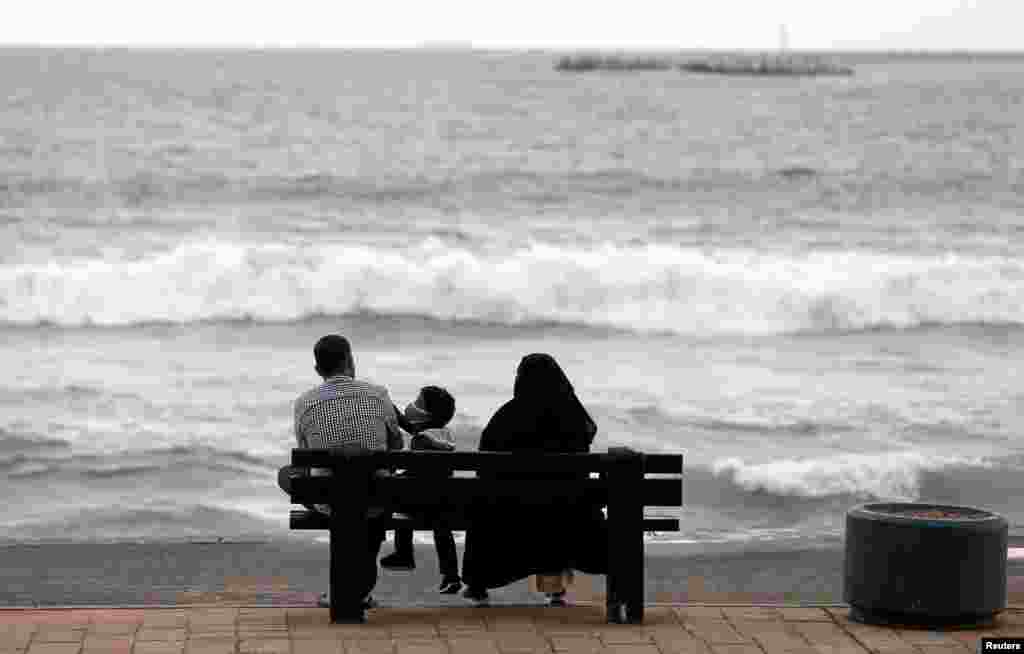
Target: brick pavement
579,629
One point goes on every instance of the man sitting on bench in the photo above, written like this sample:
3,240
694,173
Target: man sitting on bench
347,413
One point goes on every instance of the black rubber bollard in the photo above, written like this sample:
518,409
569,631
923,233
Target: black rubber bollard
924,564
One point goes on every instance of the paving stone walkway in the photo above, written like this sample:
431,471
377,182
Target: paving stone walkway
581,629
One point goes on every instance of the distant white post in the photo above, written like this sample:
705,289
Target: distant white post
783,38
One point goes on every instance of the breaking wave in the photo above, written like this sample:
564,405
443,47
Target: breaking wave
883,475
642,288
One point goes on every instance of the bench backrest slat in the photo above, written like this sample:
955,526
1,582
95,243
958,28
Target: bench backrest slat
501,462
464,491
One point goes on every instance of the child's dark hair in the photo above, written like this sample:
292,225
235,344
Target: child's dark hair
439,403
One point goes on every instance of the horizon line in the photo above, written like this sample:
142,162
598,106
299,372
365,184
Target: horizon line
455,46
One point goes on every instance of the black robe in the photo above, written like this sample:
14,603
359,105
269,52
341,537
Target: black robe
509,541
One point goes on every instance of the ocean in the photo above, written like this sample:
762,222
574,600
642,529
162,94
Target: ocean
813,288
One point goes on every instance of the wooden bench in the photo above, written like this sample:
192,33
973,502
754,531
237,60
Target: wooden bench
622,486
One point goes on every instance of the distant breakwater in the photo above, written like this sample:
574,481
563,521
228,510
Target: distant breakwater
790,65
773,65
585,63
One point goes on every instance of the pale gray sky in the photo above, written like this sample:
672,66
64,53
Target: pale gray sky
654,24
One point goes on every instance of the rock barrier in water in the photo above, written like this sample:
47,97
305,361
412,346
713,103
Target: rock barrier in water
585,63
785,65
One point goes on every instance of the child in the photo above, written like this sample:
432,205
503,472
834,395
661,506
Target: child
425,419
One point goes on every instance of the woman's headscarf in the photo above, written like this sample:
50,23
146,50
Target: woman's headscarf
542,385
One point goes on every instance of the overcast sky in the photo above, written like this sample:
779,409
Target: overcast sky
883,24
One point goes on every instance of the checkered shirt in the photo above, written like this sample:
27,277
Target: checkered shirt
349,413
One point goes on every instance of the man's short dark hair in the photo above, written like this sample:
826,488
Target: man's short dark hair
439,403
332,354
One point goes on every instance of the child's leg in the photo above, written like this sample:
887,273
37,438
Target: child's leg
447,557
403,557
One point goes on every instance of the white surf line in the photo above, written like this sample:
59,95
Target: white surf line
1015,552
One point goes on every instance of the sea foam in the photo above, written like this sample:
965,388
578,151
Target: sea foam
883,475
644,288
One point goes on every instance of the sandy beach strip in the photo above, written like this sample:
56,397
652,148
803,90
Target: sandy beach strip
295,573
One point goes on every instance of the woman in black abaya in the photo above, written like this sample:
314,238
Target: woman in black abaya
512,542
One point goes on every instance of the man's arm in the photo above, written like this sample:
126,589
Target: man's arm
297,424
433,439
394,432
304,436
315,441
403,422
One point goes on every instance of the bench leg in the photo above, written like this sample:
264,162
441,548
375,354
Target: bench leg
615,592
613,609
635,606
633,593
625,538
348,553
625,590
